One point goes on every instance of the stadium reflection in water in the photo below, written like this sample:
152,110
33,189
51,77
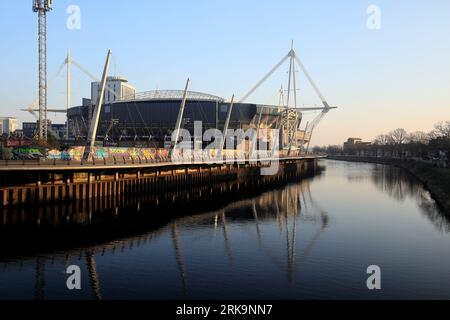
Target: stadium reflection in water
311,239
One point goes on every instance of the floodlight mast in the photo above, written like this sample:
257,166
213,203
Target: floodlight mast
42,7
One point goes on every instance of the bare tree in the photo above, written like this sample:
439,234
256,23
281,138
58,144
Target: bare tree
442,129
382,140
334,149
419,137
398,136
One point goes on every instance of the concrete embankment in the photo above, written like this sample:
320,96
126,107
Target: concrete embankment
436,180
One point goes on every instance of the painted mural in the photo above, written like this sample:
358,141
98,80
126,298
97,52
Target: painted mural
120,154
28,153
76,153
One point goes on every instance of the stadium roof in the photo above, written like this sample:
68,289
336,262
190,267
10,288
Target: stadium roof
170,95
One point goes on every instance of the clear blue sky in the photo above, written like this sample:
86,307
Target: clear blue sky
398,76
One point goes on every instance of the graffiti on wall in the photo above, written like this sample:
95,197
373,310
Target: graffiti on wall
28,153
76,153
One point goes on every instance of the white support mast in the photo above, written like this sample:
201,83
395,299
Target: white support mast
181,114
291,117
255,139
288,98
227,124
294,80
69,58
92,136
281,98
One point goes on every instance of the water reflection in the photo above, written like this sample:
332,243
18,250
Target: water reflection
285,206
398,184
401,185
121,215
40,279
179,256
279,243
93,275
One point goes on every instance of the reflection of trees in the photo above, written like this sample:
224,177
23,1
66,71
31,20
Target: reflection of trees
396,182
401,185
433,213
357,178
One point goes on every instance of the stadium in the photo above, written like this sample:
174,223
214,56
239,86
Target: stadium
149,118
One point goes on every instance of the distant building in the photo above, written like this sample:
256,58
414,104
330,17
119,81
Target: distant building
118,90
30,129
19,133
8,125
59,130
351,145
86,102
351,142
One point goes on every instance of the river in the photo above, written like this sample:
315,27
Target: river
312,239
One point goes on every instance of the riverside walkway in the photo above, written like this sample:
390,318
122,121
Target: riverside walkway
55,181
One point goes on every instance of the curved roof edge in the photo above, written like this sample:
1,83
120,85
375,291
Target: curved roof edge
170,95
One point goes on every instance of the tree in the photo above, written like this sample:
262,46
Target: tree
334,150
318,150
398,136
399,143
440,144
382,140
442,129
52,142
419,137
5,153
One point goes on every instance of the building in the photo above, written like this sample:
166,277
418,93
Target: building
30,129
8,125
58,130
149,118
118,89
86,102
352,144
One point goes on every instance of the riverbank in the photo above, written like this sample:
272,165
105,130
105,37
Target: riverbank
436,180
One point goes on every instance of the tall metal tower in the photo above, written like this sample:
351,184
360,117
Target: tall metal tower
42,7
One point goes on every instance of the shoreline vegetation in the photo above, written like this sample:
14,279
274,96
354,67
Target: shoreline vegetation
435,179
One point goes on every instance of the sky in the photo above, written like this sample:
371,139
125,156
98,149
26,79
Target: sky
381,79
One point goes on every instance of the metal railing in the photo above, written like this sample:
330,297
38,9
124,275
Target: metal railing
137,161
114,161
